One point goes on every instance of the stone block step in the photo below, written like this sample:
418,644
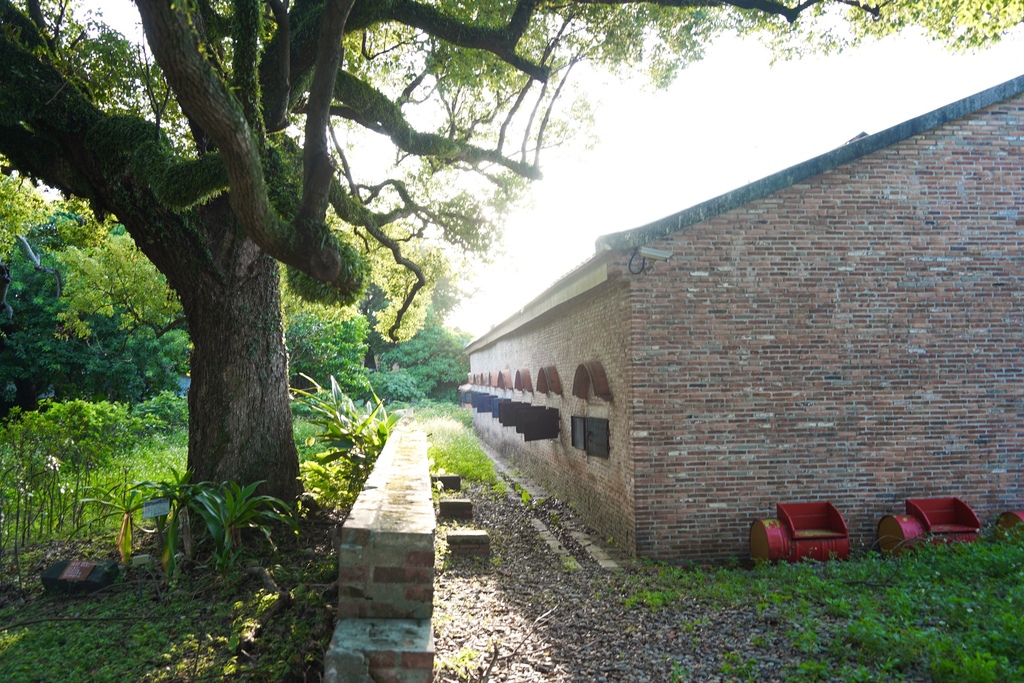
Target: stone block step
455,508
450,482
469,543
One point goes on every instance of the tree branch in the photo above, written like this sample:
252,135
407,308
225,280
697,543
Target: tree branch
790,14
247,27
36,14
5,284
276,110
500,41
547,114
203,96
373,110
317,169
351,209
26,249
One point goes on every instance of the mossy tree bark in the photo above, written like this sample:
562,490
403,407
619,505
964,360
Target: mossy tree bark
240,424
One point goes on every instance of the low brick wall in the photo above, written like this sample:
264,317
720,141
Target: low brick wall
386,571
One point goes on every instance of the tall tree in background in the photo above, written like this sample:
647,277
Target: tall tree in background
221,160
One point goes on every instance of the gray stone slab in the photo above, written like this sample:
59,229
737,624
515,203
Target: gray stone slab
450,482
468,537
455,508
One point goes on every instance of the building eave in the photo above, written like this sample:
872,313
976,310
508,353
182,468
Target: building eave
589,275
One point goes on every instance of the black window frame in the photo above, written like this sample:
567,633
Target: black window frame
591,435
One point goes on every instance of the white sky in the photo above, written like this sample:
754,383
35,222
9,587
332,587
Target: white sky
728,120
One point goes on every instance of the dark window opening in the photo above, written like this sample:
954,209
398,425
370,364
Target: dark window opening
590,434
579,432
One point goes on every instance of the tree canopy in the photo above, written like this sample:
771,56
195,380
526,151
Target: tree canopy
247,134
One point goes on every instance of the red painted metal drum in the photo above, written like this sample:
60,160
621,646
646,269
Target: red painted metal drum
1012,521
828,547
769,541
896,532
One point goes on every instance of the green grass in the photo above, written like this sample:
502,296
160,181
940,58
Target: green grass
154,457
948,612
141,629
454,448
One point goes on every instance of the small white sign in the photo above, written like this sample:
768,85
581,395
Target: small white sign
158,507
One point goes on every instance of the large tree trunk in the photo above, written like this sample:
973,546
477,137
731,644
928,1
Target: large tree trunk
240,423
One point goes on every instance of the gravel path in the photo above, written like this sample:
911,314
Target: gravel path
532,615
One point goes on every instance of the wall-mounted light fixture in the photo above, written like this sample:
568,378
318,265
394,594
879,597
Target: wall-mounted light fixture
653,254
645,254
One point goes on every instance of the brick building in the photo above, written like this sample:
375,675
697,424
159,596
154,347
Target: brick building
850,329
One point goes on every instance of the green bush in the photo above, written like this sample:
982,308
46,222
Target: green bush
321,346
115,362
435,358
167,411
398,386
48,458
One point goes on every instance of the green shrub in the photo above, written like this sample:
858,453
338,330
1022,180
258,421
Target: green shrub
167,411
435,357
48,458
350,436
398,386
320,345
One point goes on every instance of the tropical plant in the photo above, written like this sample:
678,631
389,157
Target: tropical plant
352,437
175,527
347,428
229,508
124,501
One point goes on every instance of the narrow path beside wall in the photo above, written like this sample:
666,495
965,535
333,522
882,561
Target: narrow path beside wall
608,558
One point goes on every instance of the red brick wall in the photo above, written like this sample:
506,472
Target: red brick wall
856,337
594,327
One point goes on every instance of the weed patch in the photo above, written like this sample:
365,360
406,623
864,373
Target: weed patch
454,448
945,612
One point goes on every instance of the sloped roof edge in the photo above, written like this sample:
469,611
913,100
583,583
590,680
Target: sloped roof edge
590,274
825,162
